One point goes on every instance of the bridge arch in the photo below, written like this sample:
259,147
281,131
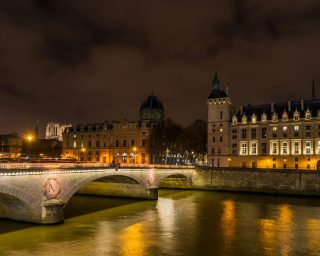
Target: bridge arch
96,177
176,180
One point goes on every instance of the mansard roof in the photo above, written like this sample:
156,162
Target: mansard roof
279,108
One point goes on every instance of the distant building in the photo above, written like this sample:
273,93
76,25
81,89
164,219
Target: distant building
10,145
120,141
55,130
277,135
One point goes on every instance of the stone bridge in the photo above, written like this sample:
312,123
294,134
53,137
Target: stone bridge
38,192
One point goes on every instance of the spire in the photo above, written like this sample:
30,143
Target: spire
36,130
313,90
216,82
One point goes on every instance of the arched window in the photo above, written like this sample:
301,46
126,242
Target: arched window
274,117
254,118
244,119
264,118
308,114
296,115
234,120
285,116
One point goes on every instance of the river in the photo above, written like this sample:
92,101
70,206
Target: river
180,223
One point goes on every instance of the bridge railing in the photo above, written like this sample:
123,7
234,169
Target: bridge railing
8,166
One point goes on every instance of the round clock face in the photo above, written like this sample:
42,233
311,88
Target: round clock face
51,188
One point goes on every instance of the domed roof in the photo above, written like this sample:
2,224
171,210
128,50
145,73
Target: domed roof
152,109
152,102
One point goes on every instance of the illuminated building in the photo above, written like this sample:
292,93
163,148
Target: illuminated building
120,141
55,130
277,135
10,145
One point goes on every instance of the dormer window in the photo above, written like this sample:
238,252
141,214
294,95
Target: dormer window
285,116
244,119
308,114
264,118
296,115
274,117
234,120
254,119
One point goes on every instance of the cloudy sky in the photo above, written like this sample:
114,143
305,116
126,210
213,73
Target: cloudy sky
85,61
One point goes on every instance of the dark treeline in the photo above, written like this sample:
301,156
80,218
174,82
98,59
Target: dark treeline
173,144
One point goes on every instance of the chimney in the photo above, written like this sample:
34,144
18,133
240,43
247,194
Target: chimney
272,107
302,105
289,106
241,110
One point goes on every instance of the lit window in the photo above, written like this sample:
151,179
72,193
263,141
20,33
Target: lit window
308,114
274,129
244,148
254,119
253,148
285,128
74,144
308,147
244,119
318,147
284,148
296,128
274,148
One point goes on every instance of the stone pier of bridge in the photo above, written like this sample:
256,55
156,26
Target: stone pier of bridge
38,192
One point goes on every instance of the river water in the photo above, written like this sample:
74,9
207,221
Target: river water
181,222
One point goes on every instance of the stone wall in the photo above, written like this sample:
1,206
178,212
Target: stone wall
258,180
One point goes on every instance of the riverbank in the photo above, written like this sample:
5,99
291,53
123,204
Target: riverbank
285,182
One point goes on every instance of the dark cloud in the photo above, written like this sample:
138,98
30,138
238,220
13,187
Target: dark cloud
75,61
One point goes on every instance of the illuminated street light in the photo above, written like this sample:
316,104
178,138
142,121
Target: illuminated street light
29,138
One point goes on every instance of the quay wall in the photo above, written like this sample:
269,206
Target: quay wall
258,180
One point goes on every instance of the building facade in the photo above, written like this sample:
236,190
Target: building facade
54,130
284,135
10,145
116,141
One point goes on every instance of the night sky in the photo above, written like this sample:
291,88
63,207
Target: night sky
85,61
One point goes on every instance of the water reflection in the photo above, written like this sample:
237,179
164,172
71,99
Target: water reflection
179,223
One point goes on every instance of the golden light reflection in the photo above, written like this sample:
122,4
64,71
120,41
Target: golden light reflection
268,235
133,240
286,229
228,220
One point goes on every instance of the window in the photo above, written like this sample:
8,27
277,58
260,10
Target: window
244,133
308,114
264,148
244,119
318,147
89,144
308,127
274,117
308,147
74,144
214,139
253,148
264,118
244,148
274,148
117,143
132,142
264,133
296,130
285,116
219,151
308,134
284,148
234,134
254,133
254,119
274,129
97,143
296,116
143,142
221,115
221,139
124,144
213,151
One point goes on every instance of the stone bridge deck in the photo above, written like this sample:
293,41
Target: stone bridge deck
37,192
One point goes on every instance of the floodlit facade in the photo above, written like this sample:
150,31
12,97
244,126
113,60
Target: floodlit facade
282,135
116,141
55,130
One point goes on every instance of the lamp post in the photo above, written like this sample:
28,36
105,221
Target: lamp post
82,150
29,139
